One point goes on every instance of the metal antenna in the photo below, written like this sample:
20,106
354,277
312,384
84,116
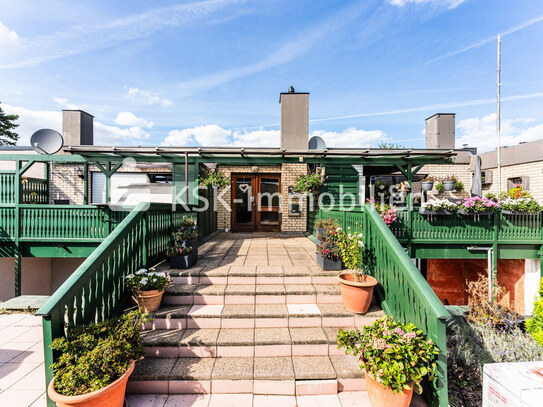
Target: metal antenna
498,113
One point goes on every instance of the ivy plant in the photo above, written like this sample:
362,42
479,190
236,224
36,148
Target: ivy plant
94,356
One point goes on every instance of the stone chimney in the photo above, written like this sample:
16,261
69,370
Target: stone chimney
440,131
77,128
294,120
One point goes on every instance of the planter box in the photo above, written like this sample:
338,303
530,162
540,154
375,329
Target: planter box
327,264
449,185
184,262
507,212
466,213
427,185
435,213
320,231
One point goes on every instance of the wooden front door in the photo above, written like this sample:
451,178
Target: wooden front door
256,202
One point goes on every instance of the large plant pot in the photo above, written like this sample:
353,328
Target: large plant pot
385,397
149,301
449,185
427,185
320,232
328,264
184,262
110,396
356,295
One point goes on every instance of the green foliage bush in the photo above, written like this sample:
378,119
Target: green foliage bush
396,355
94,356
534,325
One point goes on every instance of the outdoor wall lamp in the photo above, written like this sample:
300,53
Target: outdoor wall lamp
254,169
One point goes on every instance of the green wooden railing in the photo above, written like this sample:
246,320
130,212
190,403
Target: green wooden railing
405,295
33,190
96,290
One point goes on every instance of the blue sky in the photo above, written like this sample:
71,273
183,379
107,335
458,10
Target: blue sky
210,72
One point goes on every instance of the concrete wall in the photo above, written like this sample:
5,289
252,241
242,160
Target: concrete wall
448,278
40,276
294,120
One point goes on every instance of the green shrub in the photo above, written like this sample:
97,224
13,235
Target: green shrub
439,187
459,186
94,356
534,325
396,355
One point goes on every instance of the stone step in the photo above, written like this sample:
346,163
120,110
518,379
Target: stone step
242,342
282,375
259,316
252,294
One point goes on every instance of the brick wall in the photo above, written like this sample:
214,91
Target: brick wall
461,171
534,170
289,173
64,183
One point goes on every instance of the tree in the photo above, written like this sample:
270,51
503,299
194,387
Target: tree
7,123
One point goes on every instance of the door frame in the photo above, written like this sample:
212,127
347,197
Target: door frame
255,225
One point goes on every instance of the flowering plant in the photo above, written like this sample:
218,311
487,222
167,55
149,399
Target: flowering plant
520,205
183,235
147,280
387,212
515,193
179,249
350,248
309,182
187,222
439,205
478,205
429,178
210,176
329,246
396,355
449,178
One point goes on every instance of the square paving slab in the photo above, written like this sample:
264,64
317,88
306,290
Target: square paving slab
313,367
200,337
153,369
307,335
273,368
233,369
272,336
192,369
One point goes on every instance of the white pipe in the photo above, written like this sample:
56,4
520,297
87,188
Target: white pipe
498,113
490,252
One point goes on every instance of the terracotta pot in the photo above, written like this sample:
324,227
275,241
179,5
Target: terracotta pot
110,396
385,397
356,295
149,301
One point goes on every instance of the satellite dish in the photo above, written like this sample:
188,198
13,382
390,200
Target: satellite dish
46,141
317,143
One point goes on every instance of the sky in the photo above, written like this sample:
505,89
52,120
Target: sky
209,72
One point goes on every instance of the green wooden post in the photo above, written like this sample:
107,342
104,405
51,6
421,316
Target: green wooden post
48,354
541,262
108,183
18,188
495,252
409,211
144,238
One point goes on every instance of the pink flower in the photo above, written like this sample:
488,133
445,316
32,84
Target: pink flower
399,331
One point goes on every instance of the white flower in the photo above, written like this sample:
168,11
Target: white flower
130,276
360,235
154,280
361,244
338,230
161,274
144,281
141,271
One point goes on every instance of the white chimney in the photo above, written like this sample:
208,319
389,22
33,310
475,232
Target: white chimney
294,120
440,131
77,128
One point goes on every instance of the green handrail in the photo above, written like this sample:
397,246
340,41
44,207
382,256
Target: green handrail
96,290
406,295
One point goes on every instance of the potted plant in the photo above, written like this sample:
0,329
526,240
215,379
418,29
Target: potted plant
459,186
356,286
449,182
328,255
188,235
428,183
189,223
386,212
477,206
210,176
322,225
395,358
439,188
438,207
309,183
95,362
148,288
519,202
181,256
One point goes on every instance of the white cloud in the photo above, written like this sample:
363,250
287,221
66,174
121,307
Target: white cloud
9,40
351,137
83,38
449,3
63,102
257,138
130,119
106,135
148,97
481,132
208,135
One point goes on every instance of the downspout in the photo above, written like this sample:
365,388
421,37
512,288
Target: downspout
490,253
